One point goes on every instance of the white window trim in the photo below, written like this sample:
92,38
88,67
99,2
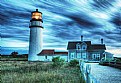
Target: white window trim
95,55
78,46
83,44
72,55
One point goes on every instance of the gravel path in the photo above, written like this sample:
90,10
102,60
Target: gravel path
105,74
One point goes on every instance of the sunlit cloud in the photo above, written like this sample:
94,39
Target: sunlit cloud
13,43
114,50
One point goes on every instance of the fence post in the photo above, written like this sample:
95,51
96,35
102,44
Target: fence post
81,66
82,70
88,69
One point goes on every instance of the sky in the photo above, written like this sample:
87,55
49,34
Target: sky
63,21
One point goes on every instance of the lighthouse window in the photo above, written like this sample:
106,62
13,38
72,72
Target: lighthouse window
36,15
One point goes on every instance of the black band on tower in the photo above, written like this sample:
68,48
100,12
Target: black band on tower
36,20
35,26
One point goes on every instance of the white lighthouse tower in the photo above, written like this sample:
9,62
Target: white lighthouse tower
35,41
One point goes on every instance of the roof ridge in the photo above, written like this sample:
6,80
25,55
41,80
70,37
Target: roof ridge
97,44
76,41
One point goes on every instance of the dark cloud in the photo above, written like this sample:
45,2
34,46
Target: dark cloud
64,20
64,35
7,36
117,19
17,37
102,4
117,38
97,32
83,20
56,46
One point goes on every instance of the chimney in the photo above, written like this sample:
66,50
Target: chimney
101,41
81,38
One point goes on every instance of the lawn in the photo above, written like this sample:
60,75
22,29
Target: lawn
37,72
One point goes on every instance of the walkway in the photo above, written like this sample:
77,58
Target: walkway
105,74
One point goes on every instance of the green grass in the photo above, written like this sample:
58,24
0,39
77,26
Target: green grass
12,59
37,72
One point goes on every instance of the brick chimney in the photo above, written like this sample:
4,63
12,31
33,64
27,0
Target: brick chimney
81,38
101,41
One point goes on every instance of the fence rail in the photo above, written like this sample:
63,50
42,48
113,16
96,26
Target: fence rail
86,73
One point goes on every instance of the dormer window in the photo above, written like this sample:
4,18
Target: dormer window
78,46
84,46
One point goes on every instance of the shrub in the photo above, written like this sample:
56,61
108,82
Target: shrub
74,63
58,62
118,60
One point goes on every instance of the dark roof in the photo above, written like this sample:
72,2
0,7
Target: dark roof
47,52
72,45
50,52
60,52
97,47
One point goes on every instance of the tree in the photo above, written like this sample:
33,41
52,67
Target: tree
14,54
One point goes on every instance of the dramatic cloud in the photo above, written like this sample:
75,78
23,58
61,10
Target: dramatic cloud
64,20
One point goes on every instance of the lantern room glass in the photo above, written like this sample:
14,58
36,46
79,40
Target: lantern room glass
36,15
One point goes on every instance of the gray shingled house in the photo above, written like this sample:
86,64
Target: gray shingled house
85,50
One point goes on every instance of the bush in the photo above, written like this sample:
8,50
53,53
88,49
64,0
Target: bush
118,60
74,63
58,62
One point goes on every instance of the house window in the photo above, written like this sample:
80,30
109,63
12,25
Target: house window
78,55
78,46
84,55
96,56
83,47
45,57
72,55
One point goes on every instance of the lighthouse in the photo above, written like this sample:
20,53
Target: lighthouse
35,41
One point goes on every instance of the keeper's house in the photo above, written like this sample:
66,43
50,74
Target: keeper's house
85,50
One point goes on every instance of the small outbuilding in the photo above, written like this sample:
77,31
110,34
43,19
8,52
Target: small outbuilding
48,54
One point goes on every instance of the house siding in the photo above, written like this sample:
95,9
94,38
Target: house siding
43,58
77,54
50,57
86,55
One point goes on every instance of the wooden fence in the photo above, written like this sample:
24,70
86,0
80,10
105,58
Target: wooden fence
86,73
